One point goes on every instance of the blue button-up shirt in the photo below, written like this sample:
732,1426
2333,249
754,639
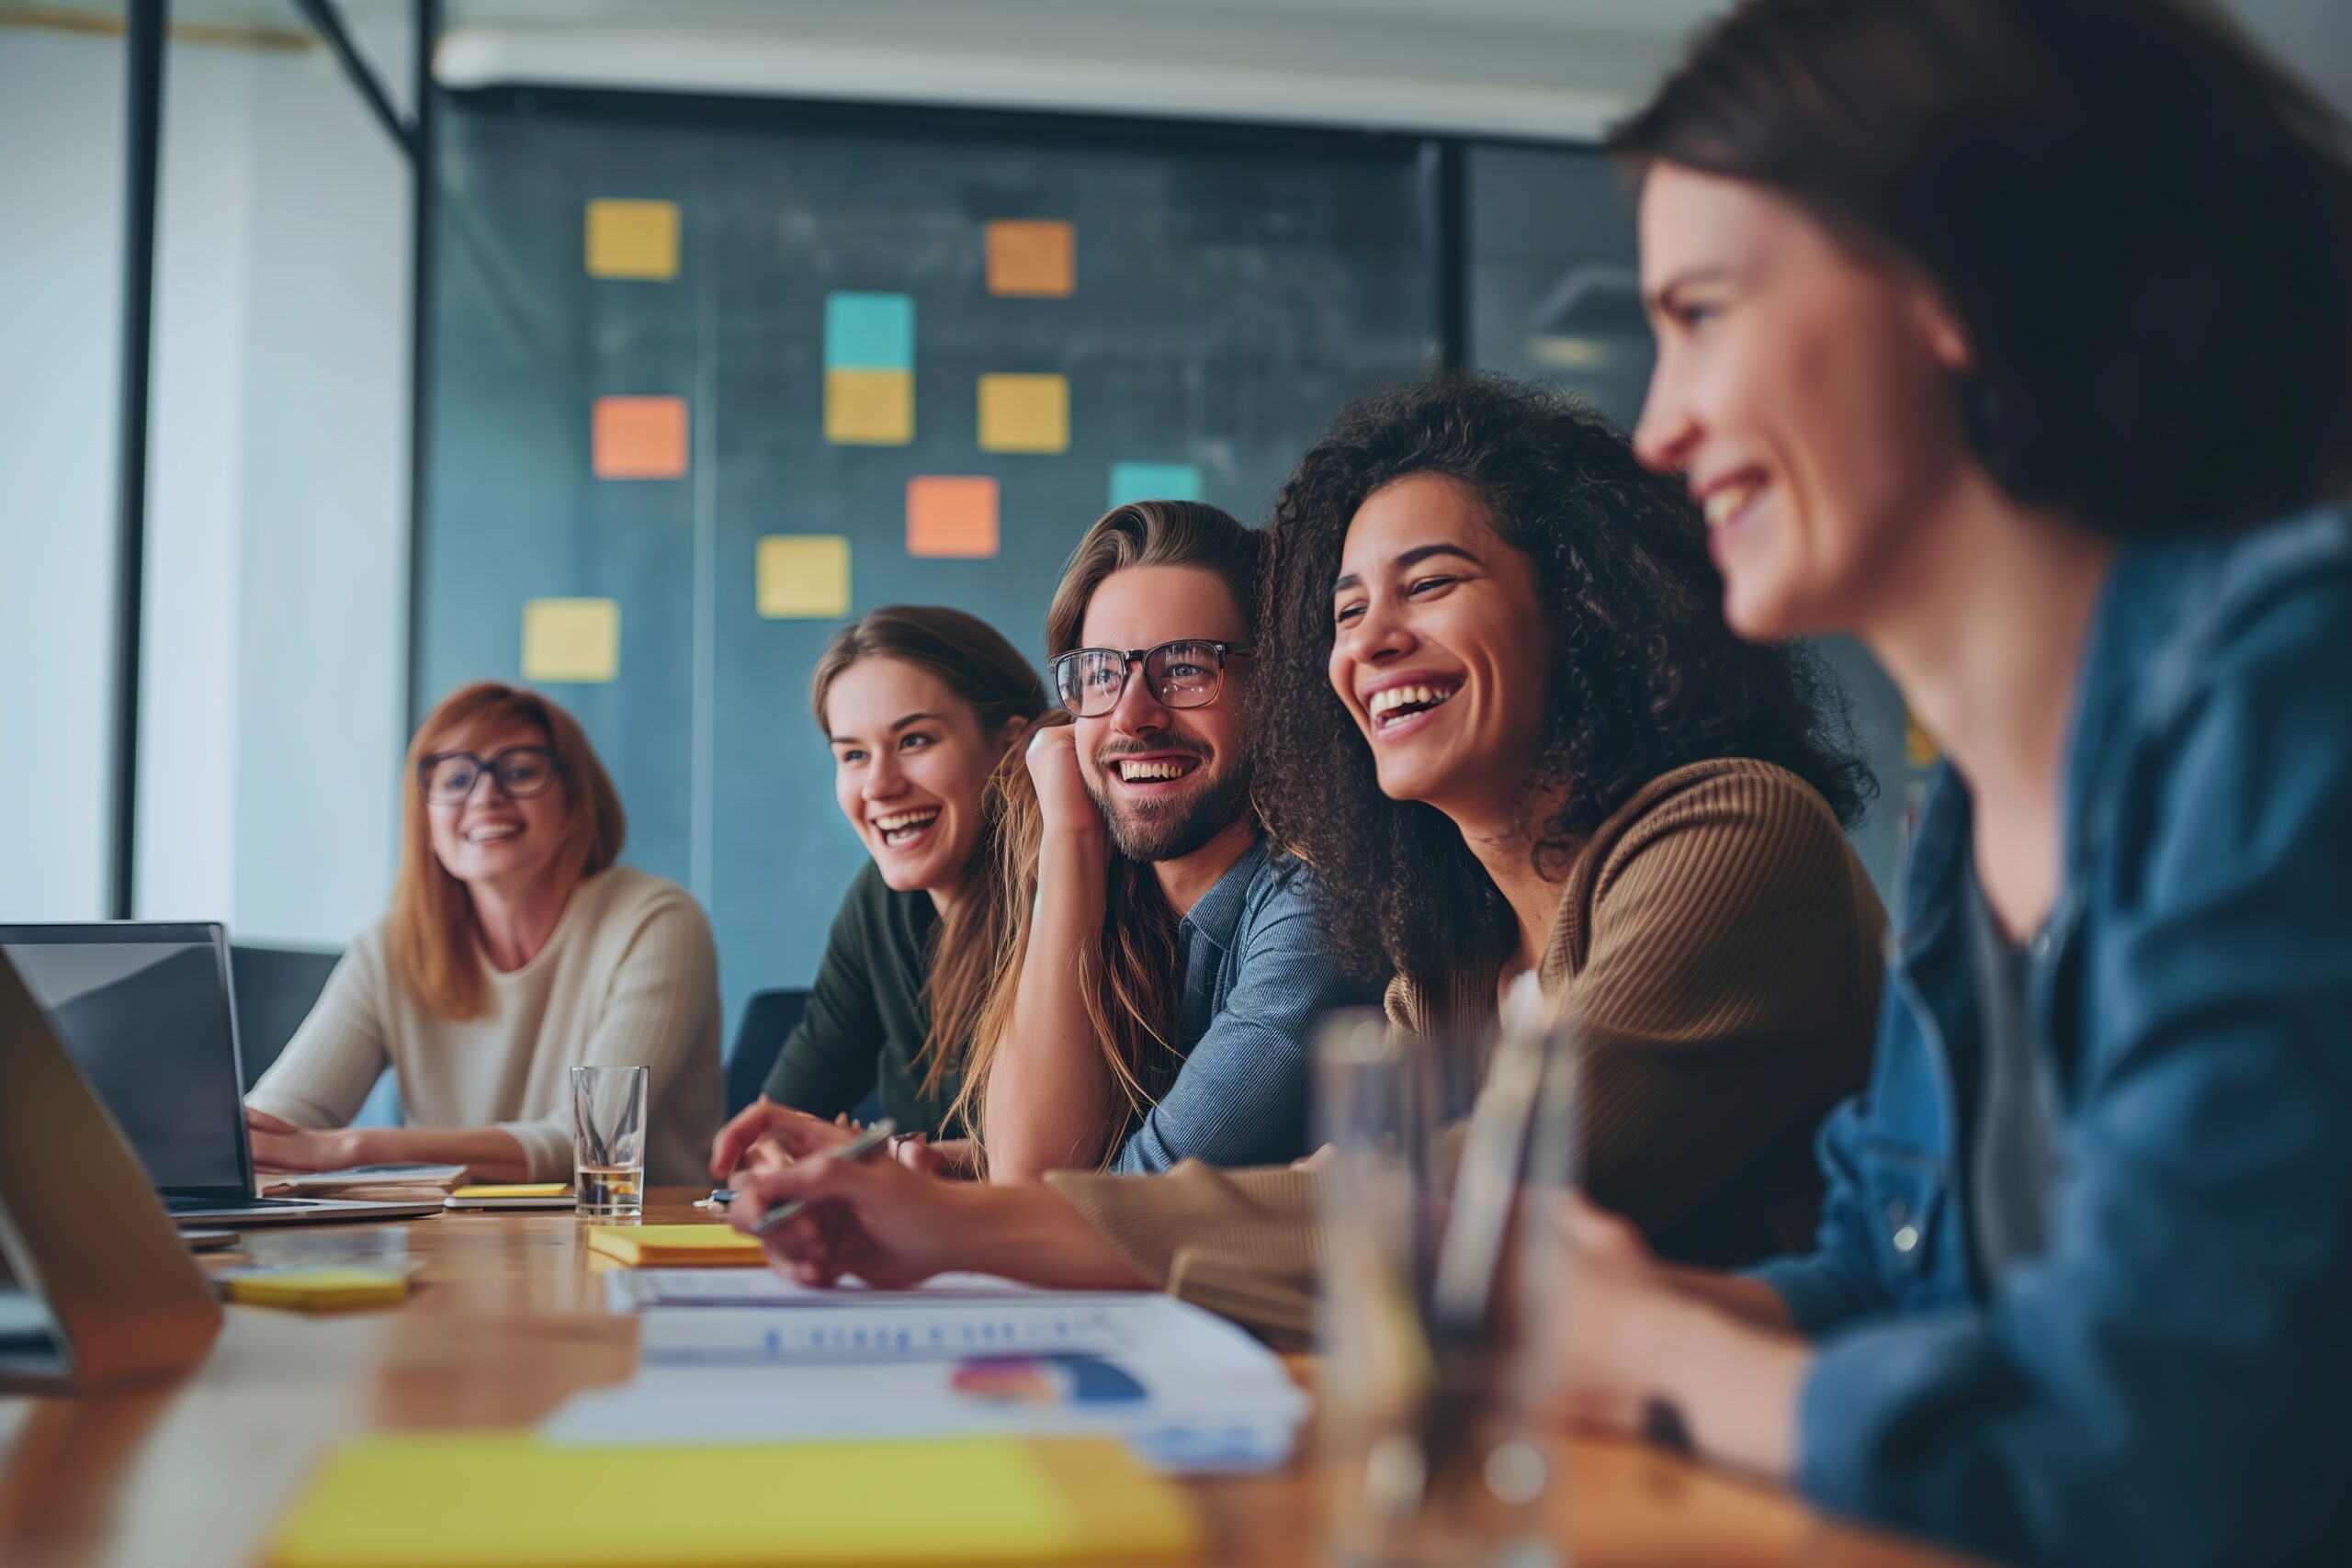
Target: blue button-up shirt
2170,1383
1256,979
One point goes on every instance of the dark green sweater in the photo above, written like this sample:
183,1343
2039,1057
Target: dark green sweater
867,1015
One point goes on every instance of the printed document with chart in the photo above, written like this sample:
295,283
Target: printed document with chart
1187,1391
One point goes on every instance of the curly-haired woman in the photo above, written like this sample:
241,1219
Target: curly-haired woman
1504,720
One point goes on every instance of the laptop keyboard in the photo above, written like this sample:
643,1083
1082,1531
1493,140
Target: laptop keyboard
180,1204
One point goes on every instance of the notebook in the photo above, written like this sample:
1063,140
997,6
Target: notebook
675,1247
506,1500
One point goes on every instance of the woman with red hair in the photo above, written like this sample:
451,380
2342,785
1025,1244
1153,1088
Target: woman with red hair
514,949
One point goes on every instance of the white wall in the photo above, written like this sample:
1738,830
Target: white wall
61,195
276,628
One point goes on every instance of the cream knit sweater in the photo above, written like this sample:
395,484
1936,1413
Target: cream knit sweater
629,975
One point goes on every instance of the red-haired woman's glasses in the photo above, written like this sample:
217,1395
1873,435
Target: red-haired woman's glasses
522,772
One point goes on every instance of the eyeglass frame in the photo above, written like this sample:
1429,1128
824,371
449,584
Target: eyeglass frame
489,769
1132,656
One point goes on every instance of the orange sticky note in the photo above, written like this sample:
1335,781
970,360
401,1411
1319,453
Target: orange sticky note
869,408
640,438
1025,414
633,239
951,517
1036,258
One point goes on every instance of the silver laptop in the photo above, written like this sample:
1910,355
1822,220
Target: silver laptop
146,1009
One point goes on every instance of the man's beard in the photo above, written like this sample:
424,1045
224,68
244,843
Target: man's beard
1147,830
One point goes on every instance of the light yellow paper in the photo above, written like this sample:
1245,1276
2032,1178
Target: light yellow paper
1025,414
576,641
633,239
804,577
506,1500
869,408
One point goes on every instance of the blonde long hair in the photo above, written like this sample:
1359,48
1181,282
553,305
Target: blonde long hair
1128,978
435,944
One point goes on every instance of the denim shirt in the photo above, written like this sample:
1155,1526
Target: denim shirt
2170,1383
1257,977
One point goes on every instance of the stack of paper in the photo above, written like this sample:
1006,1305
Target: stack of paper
1188,1392
634,1290
676,1246
392,1183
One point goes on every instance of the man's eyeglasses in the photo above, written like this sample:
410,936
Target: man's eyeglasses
522,772
1184,674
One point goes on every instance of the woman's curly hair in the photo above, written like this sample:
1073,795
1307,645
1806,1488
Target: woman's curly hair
1643,677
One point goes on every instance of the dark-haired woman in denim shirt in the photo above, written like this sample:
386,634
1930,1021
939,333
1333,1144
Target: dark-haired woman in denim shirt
2015,337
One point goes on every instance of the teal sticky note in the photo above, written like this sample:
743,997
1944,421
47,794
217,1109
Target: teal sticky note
1154,481
869,331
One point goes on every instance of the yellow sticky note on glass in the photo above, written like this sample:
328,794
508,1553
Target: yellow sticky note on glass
804,577
869,408
951,516
633,239
1025,414
1032,257
571,639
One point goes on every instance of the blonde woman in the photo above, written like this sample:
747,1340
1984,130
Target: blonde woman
515,950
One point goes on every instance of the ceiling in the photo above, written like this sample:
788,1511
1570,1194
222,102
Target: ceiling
1541,66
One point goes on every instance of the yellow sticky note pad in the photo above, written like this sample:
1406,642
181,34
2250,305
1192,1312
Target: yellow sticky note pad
804,577
319,1289
1025,414
509,1500
675,1247
951,516
515,1189
869,408
571,639
1034,259
633,239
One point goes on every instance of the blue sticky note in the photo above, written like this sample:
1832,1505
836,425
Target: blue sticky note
1154,481
869,331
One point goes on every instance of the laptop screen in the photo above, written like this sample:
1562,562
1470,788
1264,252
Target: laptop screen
145,1010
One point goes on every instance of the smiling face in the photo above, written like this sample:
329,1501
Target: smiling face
911,770
491,839
1804,392
1440,647
1167,780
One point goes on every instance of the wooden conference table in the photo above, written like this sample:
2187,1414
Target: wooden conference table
507,1319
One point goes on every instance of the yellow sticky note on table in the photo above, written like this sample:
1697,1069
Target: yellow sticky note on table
1025,414
633,239
869,408
675,1247
639,438
318,1290
515,1189
804,575
1036,258
510,1500
571,639
951,516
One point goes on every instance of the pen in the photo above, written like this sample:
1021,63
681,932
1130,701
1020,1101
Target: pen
865,1144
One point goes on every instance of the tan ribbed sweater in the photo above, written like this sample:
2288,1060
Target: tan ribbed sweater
1719,943
629,975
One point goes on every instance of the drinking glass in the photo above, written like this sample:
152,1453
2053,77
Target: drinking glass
1440,1285
608,1141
